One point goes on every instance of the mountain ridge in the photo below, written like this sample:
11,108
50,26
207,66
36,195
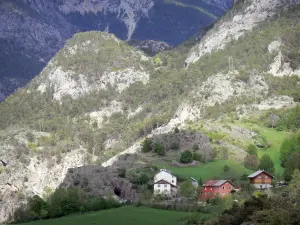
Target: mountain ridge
46,25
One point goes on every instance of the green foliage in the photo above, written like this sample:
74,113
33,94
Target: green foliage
292,164
188,190
267,164
67,201
291,144
186,157
290,120
159,148
147,145
38,208
176,130
252,150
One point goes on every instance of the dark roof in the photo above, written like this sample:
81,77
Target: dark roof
164,182
258,173
216,183
193,179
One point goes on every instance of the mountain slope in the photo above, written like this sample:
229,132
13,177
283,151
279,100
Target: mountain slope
99,97
33,31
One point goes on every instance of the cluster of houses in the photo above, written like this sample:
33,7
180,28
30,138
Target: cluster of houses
166,184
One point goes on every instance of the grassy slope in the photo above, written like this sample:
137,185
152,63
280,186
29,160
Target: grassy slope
210,170
124,216
276,139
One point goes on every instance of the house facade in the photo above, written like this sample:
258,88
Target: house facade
214,188
261,179
165,183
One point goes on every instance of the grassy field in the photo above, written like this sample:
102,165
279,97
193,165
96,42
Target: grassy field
211,170
121,216
275,138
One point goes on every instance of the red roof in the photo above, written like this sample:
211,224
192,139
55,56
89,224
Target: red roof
216,183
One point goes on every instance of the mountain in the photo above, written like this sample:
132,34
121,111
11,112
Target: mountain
99,98
33,31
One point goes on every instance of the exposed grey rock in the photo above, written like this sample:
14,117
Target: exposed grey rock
236,26
99,181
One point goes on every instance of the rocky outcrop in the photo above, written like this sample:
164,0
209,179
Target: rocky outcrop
279,67
150,47
233,27
99,181
27,174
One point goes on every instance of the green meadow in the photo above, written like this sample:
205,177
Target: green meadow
121,216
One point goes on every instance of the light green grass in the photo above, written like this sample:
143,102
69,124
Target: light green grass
121,216
275,138
211,170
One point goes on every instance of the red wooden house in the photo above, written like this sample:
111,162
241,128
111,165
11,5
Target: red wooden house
214,188
261,179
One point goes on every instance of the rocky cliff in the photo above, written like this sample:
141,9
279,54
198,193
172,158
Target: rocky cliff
243,17
33,31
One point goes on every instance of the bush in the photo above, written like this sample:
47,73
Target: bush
252,150
147,145
159,148
38,208
186,157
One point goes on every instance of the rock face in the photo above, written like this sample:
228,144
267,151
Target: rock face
232,27
150,47
99,181
25,175
33,31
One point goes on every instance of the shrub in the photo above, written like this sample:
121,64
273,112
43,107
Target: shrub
147,145
186,157
159,148
252,150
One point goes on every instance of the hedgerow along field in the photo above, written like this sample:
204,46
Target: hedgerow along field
121,216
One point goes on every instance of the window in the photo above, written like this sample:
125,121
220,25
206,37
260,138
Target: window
223,188
266,177
259,176
172,181
166,185
229,187
158,185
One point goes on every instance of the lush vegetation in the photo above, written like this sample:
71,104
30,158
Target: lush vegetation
261,209
62,202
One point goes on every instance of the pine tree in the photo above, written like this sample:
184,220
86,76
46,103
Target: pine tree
267,164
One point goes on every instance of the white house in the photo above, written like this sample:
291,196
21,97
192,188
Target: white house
165,183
